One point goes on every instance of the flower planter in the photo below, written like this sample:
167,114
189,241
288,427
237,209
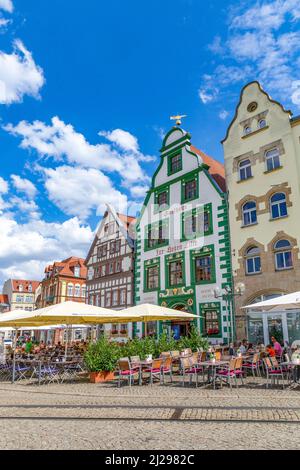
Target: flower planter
100,377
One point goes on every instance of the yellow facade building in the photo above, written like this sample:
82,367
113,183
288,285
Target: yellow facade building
262,163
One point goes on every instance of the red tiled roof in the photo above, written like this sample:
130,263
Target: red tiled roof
25,283
66,265
126,219
3,299
216,169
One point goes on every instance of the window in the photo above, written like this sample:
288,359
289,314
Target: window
247,130
245,170
77,271
19,298
211,323
152,277
107,299
162,199
283,255
83,291
102,250
114,329
70,290
123,297
21,288
115,298
272,159
111,268
77,291
253,261
197,223
157,234
103,270
249,213
203,268
118,266
115,246
278,206
262,123
190,190
176,273
175,163
30,288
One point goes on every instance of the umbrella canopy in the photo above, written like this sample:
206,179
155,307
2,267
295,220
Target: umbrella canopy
68,313
149,312
278,303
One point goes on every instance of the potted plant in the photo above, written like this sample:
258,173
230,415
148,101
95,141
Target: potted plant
101,360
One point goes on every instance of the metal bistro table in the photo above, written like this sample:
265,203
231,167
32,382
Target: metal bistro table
211,367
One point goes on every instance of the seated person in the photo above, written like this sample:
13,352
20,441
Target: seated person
270,350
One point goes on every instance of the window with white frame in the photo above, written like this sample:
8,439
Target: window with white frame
77,290
272,159
253,260
249,213
283,255
77,271
115,298
245,171
70,290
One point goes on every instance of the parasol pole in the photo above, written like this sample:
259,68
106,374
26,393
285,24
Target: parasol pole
14,355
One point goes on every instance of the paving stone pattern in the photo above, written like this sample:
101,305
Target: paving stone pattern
86,416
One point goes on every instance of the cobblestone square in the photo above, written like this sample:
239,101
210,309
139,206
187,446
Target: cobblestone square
172,417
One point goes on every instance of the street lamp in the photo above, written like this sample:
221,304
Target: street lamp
228,296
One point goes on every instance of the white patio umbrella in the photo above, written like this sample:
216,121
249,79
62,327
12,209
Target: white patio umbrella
289,301
149,312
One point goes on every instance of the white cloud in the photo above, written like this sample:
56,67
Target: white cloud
19,75
25,186
7,5
79,191
257,48
4,22
122,139
223,115
3,186
25,249
296,92
61,142
139,191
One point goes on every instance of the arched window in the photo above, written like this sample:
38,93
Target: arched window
245,169
262,123
278,205
272,159
249,213
283,255
253,261
247,130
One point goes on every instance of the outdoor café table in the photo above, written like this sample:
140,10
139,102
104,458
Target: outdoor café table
211,370
142,366
296,371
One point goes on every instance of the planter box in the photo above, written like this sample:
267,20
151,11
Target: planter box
100,377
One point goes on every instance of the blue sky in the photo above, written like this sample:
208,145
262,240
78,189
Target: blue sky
86,91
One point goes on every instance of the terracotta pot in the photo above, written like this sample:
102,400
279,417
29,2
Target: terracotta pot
104,376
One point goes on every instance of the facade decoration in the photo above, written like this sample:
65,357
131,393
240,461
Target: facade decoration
182,239
262,162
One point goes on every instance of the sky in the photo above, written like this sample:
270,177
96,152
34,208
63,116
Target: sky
87,89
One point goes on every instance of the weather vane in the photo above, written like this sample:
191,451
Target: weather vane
178,118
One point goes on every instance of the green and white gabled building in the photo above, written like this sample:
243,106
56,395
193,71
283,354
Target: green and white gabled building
182,239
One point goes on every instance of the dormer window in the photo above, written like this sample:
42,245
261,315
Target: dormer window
77,271
21,288
247,130
262,123
30,288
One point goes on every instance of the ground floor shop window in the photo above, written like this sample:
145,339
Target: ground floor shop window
293,326
211,323
255,329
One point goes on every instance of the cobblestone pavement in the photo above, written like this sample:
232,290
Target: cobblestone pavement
86,416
